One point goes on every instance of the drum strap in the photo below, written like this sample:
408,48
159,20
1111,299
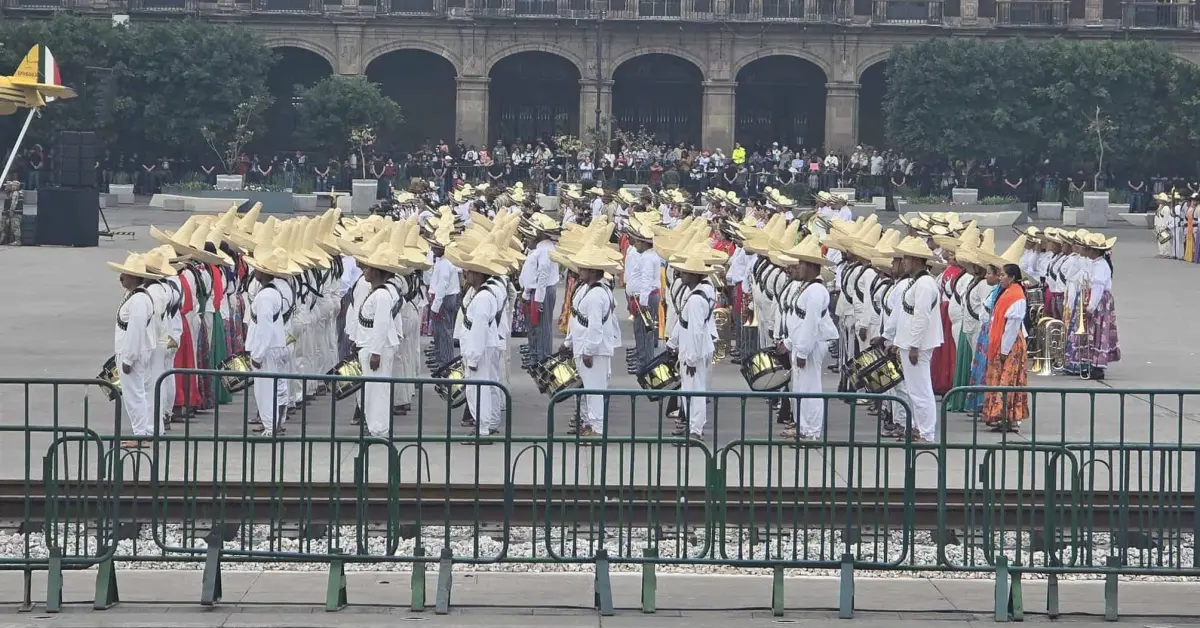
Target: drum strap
174,298
846,272
877,301
369,323
697,292
909,308
286,312
122,325
970,289
583,320
958,297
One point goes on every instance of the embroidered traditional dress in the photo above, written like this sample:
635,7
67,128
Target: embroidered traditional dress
942,364
1007,361
980,361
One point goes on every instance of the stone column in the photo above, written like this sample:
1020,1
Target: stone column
841,115
471,110
719,121
970,12
587,105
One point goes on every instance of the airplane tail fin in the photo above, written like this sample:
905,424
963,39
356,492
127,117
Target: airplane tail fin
40,69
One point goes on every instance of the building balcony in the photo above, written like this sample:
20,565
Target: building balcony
1033,13
667,10
39,5
288,6
1161,15
163,6
915,12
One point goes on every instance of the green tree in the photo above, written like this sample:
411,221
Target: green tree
180,76
328,112
971,99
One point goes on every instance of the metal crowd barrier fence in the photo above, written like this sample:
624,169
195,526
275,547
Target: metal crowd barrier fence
65,502
1072,493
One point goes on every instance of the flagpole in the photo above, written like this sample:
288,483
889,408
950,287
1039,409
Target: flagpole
20,138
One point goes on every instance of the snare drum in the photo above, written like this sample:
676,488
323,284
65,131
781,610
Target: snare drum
345,388
662,373
876,371
109,373
556,373
453,394
766,370
239,363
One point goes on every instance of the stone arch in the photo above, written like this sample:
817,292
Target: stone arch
661,50
872,88
871,61
400,46
533,95
423,83
661,92
294,67
780,98
784,51
566,53
274,43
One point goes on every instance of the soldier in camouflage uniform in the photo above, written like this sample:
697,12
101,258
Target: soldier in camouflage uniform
10,215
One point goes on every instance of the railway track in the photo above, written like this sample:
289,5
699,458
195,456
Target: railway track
23,505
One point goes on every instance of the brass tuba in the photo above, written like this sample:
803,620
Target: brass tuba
1049,357
1083,347
723,317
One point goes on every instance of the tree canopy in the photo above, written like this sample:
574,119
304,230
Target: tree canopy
335,106
178,77
1016,100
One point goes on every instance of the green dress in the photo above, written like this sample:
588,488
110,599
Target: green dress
218,354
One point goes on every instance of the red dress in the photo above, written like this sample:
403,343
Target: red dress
941,367
187,387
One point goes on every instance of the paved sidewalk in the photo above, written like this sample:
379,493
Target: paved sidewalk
499,600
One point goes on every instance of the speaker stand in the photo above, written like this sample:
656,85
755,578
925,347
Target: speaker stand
106,232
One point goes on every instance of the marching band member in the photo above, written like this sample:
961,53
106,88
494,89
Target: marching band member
379,335
862,247
1007,362
643,269
134,344
1101,320
963,319
266,338
444,290
165,323
918,333
692,339
539,286
481,339
809,331
593,333
886,299
1163,225
412,301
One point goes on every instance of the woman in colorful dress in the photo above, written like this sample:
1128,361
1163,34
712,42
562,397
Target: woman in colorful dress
1007,360
976,259
1100,318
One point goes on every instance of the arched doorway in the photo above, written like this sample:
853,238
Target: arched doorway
295,67
532,95
422,83
780,99
872,86
660,93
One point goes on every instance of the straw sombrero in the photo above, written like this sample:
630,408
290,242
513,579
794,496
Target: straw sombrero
484,260
159,260
135,265
383,258
593,256
1098,241
809,250
692,263
273,261
914,247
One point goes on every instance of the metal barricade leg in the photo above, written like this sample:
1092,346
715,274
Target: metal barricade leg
107,594
335,592
649,581
417,582
445,581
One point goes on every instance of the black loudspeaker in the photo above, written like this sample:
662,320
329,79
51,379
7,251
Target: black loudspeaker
68,217
75,159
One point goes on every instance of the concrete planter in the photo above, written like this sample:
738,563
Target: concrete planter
1049,211
103,201
209,201
964,196
846,193
1095,210
362,195
124,193
229,182
984,215
304,202
1116,209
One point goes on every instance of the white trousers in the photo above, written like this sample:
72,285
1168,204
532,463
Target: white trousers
591,407
809,413
919,383
697,407
135,395
270,394
166,393
762,307
482,399
899,411
409,354
377,396
156,367
502,377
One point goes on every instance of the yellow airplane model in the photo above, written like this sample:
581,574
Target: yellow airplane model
36,82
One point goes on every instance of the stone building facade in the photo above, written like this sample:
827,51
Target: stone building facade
706,72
